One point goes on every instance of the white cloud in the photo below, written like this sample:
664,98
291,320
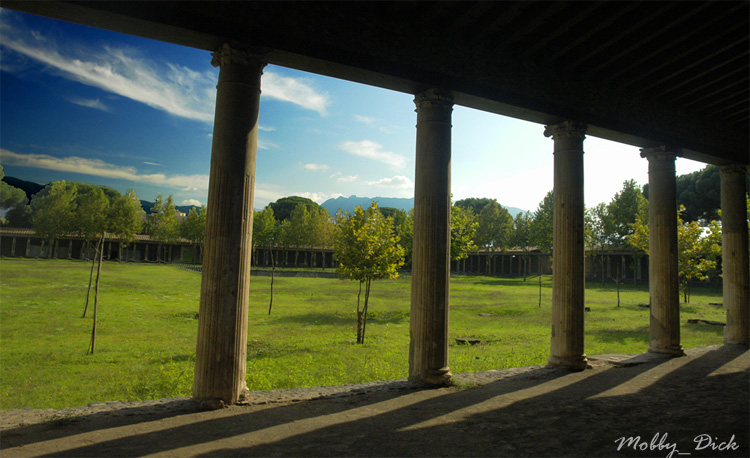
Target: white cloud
316,167
266,128
364,119
372,150
318,197
293,90
89,103
194,202
152,163
173,88
96,167
398,182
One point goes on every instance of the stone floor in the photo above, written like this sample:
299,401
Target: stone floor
697,405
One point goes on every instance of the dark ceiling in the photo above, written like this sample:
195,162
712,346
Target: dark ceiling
643,73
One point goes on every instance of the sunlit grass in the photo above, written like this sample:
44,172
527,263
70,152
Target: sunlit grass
148,324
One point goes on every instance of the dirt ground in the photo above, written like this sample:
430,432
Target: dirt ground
697,405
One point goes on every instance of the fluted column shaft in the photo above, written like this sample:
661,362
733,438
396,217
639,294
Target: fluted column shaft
222,325
663,285
428,349
568,280
734,254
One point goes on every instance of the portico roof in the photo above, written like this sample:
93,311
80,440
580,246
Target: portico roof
642,73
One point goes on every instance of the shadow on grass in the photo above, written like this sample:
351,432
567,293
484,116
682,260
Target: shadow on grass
376,316
621,336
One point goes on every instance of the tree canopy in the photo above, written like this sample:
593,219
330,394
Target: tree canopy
162,223
541,229
282,208
697,249
10,196
53,210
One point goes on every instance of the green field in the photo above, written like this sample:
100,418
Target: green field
147,330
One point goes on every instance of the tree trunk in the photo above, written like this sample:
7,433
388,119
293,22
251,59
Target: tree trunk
618,285
360,337
364,311
273,271
96,294
91,277
540,284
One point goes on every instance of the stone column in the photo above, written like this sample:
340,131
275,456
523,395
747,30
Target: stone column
428,349
568,280
13,248
734,254
662,253
222,326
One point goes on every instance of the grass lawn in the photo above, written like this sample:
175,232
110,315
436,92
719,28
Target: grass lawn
147,330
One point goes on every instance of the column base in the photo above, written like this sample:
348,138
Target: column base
434,377
673,350
734,341
574,363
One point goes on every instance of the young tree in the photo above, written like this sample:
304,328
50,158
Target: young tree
53,211
697,249
162,223
495,228
521,238
193,228
321,230
296,231
542,228
367,250
463,232
92,215
596,232
126,217
403,228
265,234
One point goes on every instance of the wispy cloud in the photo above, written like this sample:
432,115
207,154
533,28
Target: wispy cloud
266,128
151,163
89,103
294,90
398,182
96,167
170,87
316,167
372,150
380,125
341,178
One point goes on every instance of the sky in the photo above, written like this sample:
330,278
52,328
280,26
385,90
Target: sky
89,105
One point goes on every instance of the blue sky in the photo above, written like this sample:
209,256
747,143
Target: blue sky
83,104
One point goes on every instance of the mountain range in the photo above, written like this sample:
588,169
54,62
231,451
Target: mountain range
348,204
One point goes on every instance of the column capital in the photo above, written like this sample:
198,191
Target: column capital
733,169
434,99
566,129
663,152
227,54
